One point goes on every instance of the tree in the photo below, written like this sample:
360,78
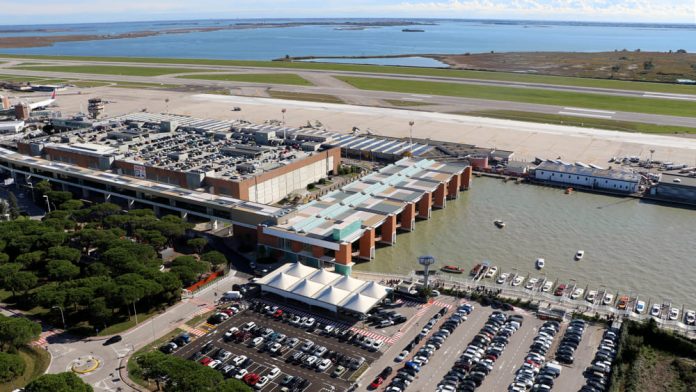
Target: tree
233,385
4,258
61,382
71,205
63,253
58,197
182,375
30,260
62,270
14,206
197,244
17,331
43,187
14,279
11,367
188,268
50,239
215,258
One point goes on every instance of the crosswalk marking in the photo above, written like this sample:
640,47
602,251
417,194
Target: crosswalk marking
43,338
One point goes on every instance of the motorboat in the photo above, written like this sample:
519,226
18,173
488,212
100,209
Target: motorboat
491,272
531,282
579,255
577,293
453,269
502,278
540,263
499,223
519,279
591,296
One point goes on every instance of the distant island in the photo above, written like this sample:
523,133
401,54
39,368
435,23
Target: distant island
413,31
49,40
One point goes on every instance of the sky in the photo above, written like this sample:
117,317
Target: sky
76,11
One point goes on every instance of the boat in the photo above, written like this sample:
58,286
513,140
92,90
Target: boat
579,255
477,268
540,263
413,31
499,223
491,272
453,269
568,191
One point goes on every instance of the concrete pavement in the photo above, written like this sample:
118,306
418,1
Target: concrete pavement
64,349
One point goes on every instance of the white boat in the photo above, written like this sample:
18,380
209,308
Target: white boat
579,255
540,263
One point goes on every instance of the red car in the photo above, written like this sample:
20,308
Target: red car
377,382
205,361
251,379
278,314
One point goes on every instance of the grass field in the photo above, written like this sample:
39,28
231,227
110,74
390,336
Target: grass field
36,361
586,122
277,78
376,69
304,96
108,70
130,323
526,95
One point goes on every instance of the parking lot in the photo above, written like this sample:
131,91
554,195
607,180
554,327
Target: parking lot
262,361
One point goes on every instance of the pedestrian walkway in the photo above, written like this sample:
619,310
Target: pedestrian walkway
443,304
43,338
193,331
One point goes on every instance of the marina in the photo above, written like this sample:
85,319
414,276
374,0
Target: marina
630,246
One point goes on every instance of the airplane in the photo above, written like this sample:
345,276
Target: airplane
43,104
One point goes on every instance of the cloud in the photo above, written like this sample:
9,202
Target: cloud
51,11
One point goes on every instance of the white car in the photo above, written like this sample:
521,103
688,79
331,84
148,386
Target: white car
241,373
309,322
376,345
402,355
656,310
673,314
311,361
215,363
275,348
256,341
577,293
531,283
249,326
323,365
328,329
690,317
518,280
502,278
230,332
263,381
238,360
640,307
275,372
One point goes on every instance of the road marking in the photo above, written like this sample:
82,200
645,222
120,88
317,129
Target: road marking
584,115
588,110
669,96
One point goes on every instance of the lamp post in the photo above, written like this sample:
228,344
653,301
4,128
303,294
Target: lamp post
283,110
135,312
62,316
410,137
31,186
48,203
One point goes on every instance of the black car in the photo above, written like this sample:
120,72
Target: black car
386,372
113,339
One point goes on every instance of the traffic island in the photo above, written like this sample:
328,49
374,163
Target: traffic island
85,365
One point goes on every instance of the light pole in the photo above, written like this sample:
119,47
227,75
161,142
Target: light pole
652,151
283,110
31,186
61,315
48,203
410,137
135,312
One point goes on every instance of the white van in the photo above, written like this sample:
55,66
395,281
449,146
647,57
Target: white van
230,295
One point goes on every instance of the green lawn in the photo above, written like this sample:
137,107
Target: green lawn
125,325
277,78
398,102
377,69
36,360
304,96
527,95
108,70
587,122
199,319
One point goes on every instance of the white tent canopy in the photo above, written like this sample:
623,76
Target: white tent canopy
318,287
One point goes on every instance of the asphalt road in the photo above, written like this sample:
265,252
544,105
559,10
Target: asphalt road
371,98
65,349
